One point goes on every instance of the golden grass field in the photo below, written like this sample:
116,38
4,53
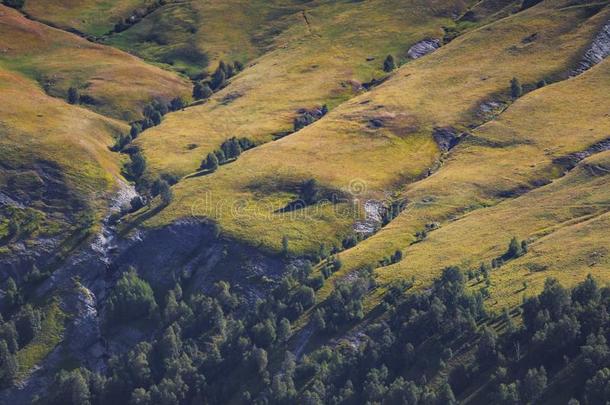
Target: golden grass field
120,83
442,89
305,69
513,152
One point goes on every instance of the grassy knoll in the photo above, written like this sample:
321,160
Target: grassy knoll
115,83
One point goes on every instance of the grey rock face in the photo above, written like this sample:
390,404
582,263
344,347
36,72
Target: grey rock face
446,138
423,48
597,51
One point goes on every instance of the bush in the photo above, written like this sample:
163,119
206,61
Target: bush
131,299
202,91
529,3
389,64
73,95
231,148
137,166
14,3
310,191
210,162
166,193
516,90
176,104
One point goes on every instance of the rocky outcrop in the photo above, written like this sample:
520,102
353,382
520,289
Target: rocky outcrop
597,51
373,218
570,161
447,138
422,48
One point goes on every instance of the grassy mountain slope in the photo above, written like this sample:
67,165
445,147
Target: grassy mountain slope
321,63
503,159
95,17
445,88
56,167
559,220
117,84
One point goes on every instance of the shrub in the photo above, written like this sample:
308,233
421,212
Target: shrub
516,90
135,130
73,95
231,148
131,299
218,78
14,3
515,249
529,3
220,155
121,142
202,91
389,64
166,193
137,166
176,104
210,162
310,191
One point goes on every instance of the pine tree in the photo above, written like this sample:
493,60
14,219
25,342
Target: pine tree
202,91
516,90
283,330
8,365
219,78
166,193
210,162
73,96
514,249
389,64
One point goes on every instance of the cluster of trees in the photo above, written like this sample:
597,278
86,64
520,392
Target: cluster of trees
515,250
205,340
308,117
131,299
345,304
137,15
18,4
219,347
230,150
153,115
394,258
15,333
205,88
331,265
22,222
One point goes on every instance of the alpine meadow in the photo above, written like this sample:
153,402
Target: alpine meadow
278,202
